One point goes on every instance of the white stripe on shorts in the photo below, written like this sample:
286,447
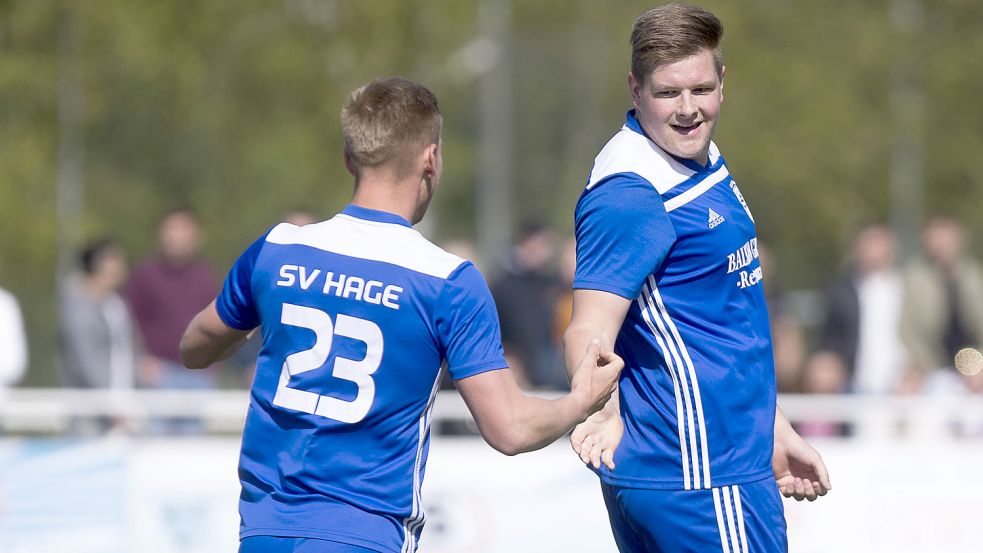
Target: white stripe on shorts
740,517
720,521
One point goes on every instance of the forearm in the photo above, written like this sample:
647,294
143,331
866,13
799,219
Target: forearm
576,339
512,422
782,424
207,340
539,422
200,350
596,316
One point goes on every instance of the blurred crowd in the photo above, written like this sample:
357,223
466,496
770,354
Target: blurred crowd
884,326
888,327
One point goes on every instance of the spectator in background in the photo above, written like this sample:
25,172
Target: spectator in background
165,293
824,374
525,296
859,336
786,330
943,303
563,310
98,345
13,341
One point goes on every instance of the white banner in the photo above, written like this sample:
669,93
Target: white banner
179,495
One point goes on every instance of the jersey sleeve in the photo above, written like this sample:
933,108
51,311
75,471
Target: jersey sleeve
467,324
623,235
235,304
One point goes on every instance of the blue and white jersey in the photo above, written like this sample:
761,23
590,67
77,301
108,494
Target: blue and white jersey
357,314
678,240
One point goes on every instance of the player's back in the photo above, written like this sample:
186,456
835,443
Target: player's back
355,314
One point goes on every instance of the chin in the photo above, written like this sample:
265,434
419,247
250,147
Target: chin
694,153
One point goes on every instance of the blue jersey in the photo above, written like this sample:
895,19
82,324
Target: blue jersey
677,239
357,313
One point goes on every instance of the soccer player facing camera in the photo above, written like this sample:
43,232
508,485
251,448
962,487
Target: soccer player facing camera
690,449
357,315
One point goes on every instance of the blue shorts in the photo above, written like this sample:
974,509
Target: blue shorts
731,519
275,544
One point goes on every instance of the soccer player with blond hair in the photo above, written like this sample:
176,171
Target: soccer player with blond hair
357,315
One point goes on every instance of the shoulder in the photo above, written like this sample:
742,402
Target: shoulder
629,152
7,300
620,198
373,241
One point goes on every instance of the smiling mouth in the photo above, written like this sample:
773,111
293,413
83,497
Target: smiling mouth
686,129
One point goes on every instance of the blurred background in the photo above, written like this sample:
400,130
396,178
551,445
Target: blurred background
144,145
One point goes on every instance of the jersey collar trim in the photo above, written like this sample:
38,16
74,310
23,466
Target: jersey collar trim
374,215
632,123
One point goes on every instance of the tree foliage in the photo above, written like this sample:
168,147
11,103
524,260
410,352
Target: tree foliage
231,107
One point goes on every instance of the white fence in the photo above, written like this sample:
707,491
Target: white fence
24,410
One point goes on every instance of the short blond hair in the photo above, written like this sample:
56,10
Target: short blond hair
387,121
672,32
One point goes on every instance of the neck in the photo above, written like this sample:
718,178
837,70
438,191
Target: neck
385,194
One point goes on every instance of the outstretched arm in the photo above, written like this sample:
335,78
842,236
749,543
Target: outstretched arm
208,339
513,422
597,315
799,469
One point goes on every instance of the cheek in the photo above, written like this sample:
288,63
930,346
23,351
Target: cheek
712,108
656,113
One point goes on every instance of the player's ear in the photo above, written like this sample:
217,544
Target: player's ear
430,160
723,70
634,87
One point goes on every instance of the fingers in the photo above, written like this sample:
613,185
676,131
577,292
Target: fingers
595,456
607,457
592,452
577,438
585,449
800,489
609,358
823,476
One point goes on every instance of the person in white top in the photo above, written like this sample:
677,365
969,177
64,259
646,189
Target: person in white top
863,312
13,341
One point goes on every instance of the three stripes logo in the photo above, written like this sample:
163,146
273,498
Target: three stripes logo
714,219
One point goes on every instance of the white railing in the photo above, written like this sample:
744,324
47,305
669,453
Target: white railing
44,410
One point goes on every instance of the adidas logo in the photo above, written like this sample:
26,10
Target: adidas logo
715,219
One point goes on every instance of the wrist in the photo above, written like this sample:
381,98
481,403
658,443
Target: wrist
580,403
783,430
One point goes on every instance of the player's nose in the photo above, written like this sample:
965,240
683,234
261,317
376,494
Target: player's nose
686,108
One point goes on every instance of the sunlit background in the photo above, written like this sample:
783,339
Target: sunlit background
837,116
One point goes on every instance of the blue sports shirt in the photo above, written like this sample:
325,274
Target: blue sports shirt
357,314
677,239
